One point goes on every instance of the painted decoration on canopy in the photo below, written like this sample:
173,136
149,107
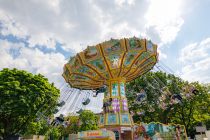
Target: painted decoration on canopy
112,46
87,71
66,73
90,53
130,57
74,62
140,71
136,44
114,61
114,58
149,61
77,77
98,64
142,57
150,46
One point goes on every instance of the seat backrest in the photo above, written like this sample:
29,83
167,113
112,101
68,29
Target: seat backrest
86,102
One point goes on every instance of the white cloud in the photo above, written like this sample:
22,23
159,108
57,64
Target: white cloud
6,56
195,51
164,18
124,2
88,22
33,60
8,26
195,58
42,40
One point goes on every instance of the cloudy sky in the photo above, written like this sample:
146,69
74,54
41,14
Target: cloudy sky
41,35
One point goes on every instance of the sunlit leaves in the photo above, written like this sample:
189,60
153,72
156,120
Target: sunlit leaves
22,95
159,107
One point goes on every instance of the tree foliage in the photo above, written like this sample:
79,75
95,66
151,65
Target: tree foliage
189,112
23,95
88,120
72,127
37,128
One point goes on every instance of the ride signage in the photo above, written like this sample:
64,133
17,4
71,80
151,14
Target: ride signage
94,134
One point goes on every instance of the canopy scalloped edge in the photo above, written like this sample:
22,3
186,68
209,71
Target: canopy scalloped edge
128,58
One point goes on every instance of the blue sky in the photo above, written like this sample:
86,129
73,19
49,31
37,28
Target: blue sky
193,30
40,35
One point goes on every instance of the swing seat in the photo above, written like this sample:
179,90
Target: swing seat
61,104
55,111
86,102
80,111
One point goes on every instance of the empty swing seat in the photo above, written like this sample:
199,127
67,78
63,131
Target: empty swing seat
61,104
80,111
86,102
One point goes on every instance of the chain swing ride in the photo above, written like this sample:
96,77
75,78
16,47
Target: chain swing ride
106,68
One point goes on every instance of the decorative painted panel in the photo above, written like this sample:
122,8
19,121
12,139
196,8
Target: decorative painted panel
114,61
114,89
124,105
129,58
142,57
71,60
135,44
66,71
112,118
90,53
74,62
99,64
79,77
150,46
149,60
125,119
87,71
112,46
122,89
101,119
115,105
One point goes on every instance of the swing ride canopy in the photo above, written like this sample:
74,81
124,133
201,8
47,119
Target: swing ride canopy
127,58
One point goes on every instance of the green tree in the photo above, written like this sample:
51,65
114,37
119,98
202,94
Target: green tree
40,127
88,120
72,127
54,133
23,97
194,110
189,112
